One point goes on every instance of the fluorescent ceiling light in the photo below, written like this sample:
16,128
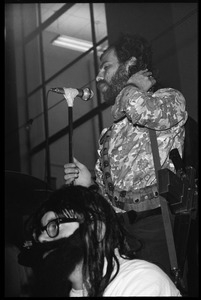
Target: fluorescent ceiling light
72,43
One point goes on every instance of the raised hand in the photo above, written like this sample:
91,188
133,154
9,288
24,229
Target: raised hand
78,173
143,80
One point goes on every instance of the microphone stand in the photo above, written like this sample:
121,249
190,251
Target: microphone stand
70,95
70,124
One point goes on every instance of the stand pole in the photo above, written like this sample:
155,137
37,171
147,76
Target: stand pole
70,95
70,119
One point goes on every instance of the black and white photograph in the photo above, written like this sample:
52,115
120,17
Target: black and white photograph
101,149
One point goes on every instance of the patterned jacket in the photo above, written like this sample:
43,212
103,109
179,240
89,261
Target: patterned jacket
129,151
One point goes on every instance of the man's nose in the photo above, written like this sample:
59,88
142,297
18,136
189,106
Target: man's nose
99,76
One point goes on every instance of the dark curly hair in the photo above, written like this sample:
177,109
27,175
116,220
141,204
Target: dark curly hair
133,45
90,207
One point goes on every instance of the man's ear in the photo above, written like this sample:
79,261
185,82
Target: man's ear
130,62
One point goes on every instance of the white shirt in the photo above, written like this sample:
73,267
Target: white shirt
137,278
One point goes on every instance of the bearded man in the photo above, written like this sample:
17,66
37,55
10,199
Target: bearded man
125,171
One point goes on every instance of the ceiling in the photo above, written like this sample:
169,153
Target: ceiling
75,22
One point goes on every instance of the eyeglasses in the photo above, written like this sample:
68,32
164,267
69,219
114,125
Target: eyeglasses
52,227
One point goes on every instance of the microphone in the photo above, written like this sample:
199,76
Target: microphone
85,94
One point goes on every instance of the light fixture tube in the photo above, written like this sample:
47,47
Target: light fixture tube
72,43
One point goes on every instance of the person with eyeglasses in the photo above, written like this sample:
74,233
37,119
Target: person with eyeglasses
52,227
81,251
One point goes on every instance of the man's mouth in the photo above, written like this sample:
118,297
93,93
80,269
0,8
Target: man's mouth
102,85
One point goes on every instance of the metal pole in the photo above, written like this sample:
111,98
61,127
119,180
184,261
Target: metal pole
100,117
45,106
69,95
70,121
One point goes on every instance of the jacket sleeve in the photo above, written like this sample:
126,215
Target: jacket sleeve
160,110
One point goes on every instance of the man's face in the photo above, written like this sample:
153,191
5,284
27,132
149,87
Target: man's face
112,76
58,264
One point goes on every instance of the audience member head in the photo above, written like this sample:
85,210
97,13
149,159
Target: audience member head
77,226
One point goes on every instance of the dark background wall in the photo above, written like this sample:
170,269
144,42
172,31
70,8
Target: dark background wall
172,30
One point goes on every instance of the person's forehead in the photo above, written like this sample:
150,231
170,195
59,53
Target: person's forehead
109,56
47,217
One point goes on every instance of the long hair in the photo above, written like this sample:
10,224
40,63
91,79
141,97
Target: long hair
94,211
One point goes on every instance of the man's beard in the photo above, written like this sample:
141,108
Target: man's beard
56,267
117,83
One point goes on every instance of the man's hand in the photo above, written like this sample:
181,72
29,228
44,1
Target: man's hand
143,80
78,173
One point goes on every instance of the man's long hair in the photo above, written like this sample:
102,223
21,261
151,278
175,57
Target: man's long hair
93,211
